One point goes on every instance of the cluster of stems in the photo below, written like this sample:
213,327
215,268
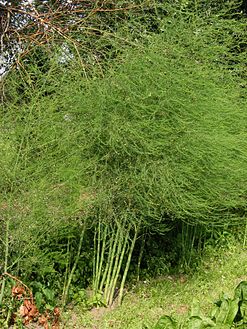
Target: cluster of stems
114,243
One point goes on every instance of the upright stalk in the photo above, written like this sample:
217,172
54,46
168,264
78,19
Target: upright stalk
140,256
245,234
103,279
192,244
101,250
65,296
67,269
127,266
97,257
109,272
119,262
6,257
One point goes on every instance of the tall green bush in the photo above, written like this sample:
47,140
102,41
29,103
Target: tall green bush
160,139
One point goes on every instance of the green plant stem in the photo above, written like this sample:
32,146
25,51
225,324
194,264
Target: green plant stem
6,256
245,234
97,258
143,240
116,260
192,244
112,257
65,296
101,261
94,258
127,267
102,281
67,268
118,267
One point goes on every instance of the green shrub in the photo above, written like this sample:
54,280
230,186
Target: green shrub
160,139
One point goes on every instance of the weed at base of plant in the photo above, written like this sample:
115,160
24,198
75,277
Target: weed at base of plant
225,314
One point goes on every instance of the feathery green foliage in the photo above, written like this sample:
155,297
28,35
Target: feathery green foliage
157,140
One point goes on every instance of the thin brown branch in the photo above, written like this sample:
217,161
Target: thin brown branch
23,284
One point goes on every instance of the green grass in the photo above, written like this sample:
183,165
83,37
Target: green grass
220,271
